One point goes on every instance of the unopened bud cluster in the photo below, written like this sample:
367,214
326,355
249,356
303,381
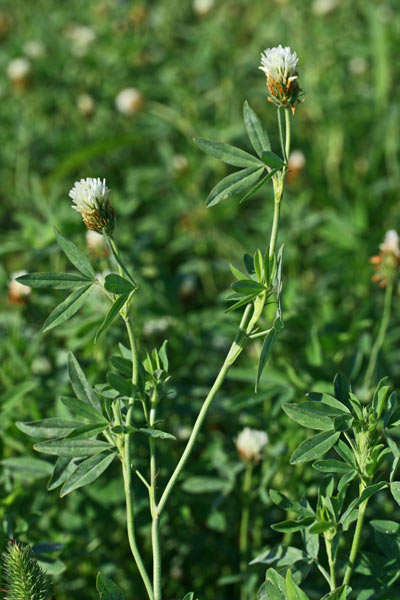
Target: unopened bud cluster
387,262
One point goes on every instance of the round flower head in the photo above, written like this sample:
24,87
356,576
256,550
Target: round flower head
387,262
91,199
250,443
280,66
129,101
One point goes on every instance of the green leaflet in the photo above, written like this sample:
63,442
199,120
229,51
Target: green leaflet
87,472
156,433
67,308
83,409
265,352
63,468
112,313
83,390
48,428
247,287
75,256
227,153
107,589
57,281
292,590
314,447
72,448
314,415
234,184
118,285
256,132
272,160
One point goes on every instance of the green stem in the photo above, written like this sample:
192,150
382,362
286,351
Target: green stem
332,564
127,468
281,134
244,523
275,221
287,140
234,351
278,179
356,538
381,335
155,527
244,330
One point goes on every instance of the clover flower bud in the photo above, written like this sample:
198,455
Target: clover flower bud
280,66
91,199
387,262
129,101
250,443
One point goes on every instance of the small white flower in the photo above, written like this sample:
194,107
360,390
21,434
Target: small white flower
34,49
18,69
95,241
85,105
280,64
203,7
391,243
324,7
250,443
92,199
156,326
18,291
81,37
129,101
89,194
179,164
357,65
296,161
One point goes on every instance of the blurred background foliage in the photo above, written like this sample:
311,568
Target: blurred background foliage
192,65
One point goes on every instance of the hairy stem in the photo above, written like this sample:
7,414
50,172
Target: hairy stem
381,335
356,539
332,564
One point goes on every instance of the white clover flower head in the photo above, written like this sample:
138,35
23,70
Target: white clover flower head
18,68
280,66
129,101
95,242
279,63
92,199
85,105
296,161
18,292
324,7
357,65
203,7
250,443
391,243
34,49
81,37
